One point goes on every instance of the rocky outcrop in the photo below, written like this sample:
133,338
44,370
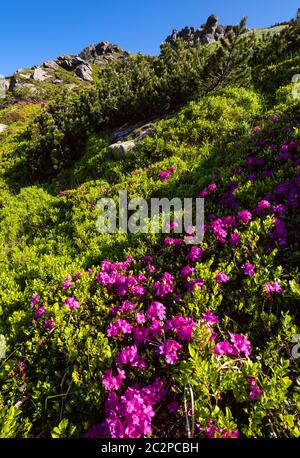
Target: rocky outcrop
50,65
40,75
122,149
15,83
69,62
79,65
104,49
127,138
210,32
84,72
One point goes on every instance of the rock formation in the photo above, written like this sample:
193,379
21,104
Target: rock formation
79,65
210,32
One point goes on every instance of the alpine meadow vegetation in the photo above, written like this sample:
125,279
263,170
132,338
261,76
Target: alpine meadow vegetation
143,335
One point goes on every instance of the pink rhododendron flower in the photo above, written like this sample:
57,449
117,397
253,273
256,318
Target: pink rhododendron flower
156,310
235,239
35,300
195,254
71,303
244,216
221,277
187,271
113,383
140,318
192,285
204,193
273,287
172,225
67,284
210,317
169,350
263,204
164,175
118,328
248,269
183,327
129,355
48,324
40,312
223,348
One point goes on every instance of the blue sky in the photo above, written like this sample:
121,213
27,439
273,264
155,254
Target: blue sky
33,31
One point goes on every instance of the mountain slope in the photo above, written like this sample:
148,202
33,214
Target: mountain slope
106,332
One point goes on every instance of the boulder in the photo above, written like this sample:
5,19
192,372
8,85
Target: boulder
25,76
50,64
122,149
3,127
84,72
102,49
69,62
4,86
15,84
40,75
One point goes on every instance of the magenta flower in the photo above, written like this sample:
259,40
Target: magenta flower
210,317
255,393
212,187
169,350
221,277
240,344
182,327
71,303
112,383
35,300
248,269
172,225
67,284
235,239
40,312
192,285
244,216
140,318
156,310
187,271
48,324
263,205
273,287
195,254
138,290
204,193
118,328
223,348
164,175
129,355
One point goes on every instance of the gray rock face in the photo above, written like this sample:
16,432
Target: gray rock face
84,72
209,32
102,49
125,146
14,84
40,75
50,64
3,127
69,62
25,76
122,149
